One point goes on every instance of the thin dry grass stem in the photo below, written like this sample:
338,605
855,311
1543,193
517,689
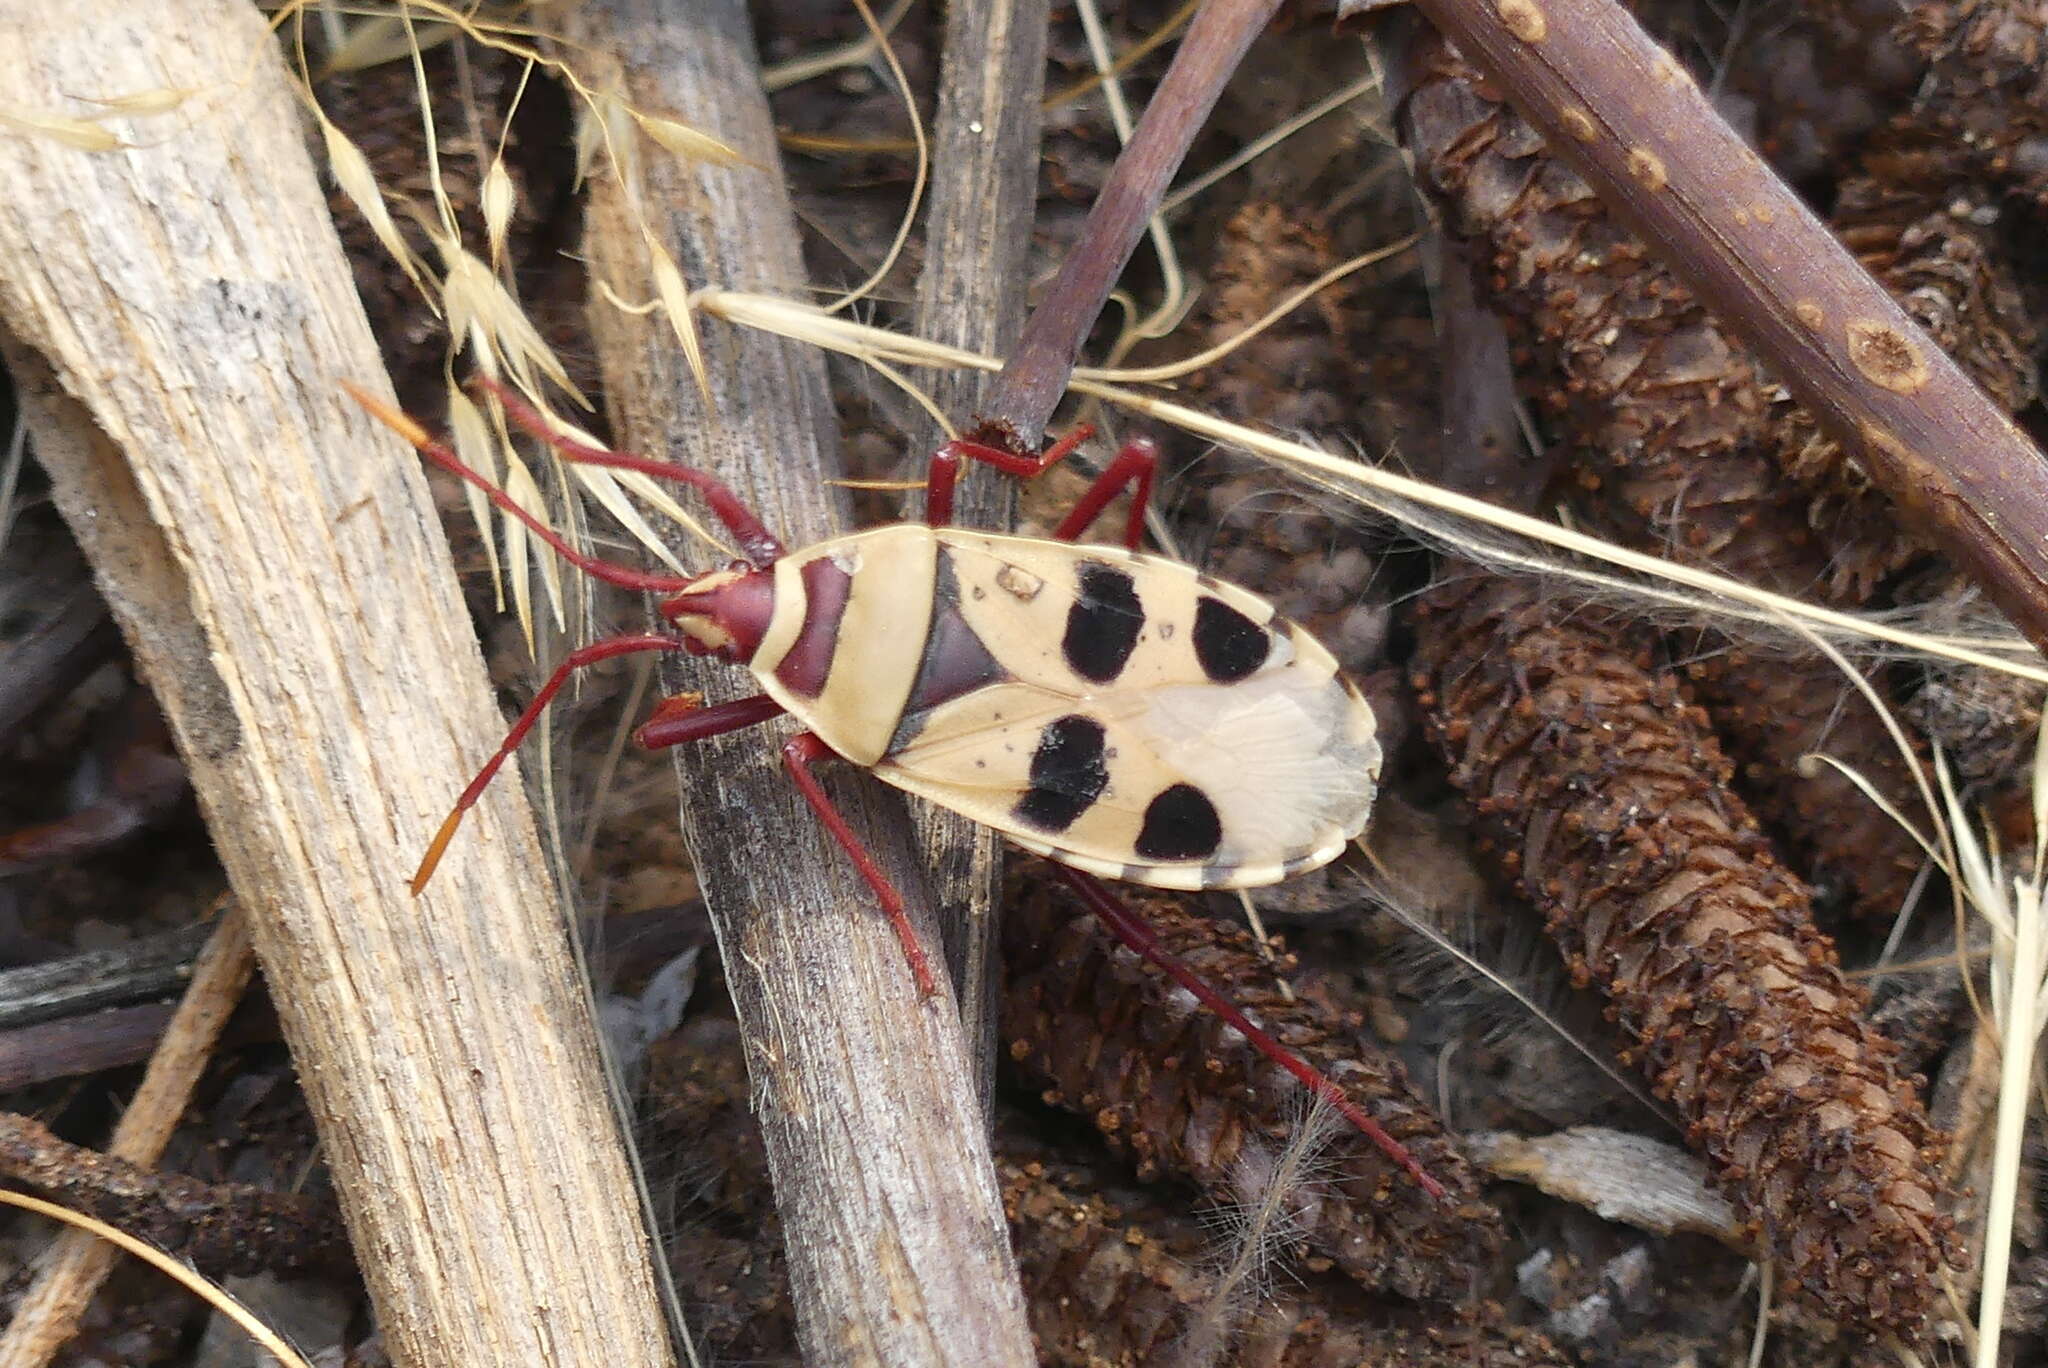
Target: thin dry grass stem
1261,1228
1173,370
782,75
209,1292
1387,493
1394,901
1173,300
1365,85
2013,909
919,178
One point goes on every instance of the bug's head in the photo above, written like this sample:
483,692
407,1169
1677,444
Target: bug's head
725,613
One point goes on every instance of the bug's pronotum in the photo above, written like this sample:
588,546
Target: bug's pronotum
1122,714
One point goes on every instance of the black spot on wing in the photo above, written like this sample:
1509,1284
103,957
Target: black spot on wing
1228,644
1103,624
1068,773
1180,824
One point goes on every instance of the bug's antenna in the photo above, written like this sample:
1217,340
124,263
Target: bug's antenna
761,546
1132,930
625,576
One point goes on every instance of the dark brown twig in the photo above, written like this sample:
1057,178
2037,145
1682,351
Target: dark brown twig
1644,134
223,1228
77,1262
1031,383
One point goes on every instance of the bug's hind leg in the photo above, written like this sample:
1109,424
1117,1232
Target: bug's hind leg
1133,931
944,471
799,754
576,660
1134,465
757,543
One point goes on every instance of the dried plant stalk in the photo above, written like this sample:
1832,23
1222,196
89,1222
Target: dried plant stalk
177,314
1181,1092
874,1132
1606,799
1678,422
971,293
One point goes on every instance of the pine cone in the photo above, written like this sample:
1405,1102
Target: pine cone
1605,794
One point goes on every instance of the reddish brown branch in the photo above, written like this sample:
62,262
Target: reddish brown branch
1643,133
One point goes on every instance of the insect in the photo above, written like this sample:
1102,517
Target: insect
1121,714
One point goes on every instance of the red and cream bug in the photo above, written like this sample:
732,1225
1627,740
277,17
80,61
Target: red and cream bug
1119,713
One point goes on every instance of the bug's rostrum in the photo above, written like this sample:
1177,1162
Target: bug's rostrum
726,613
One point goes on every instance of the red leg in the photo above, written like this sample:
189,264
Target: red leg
625,576
1135,464
944,471
1131,929
800,753
576,660
679,721
759,545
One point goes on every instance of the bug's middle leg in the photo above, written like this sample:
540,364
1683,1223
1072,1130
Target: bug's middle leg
799,753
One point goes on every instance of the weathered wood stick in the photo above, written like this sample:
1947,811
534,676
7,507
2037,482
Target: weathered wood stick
897,1246
179,315
971,293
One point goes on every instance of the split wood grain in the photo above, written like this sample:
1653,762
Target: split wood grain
971,294
178,315
898,1250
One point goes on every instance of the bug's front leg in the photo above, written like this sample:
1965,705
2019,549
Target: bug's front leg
576,660
944,471
799,753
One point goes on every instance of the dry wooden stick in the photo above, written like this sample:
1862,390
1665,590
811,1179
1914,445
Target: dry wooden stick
76,1263
178,315
1634,123
984,196
898,1250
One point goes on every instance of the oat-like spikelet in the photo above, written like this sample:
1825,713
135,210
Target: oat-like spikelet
1114,1277
1680,430
1180,1092
1605,794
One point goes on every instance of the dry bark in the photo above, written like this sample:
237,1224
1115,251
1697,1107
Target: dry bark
985,149
881,1166
178,314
